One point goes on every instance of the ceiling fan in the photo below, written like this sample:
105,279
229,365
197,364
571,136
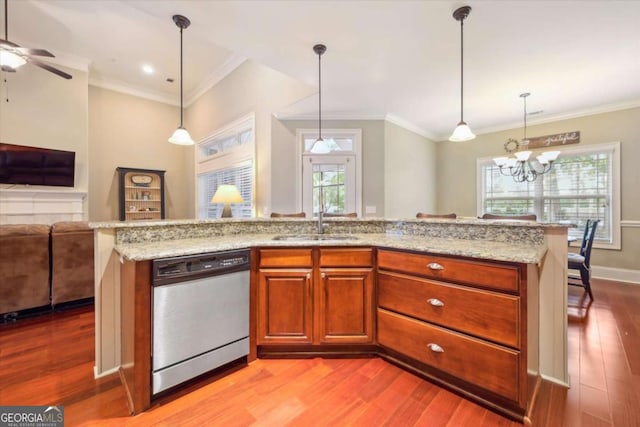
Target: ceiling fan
13,56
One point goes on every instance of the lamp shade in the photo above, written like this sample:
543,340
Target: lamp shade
462,132
11,60
181,137
320,147
227,193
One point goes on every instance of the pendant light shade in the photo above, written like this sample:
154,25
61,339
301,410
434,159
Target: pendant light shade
181,136
320,146
462,132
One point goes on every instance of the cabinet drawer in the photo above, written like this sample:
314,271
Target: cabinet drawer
345,257
485,274
486,365
289,258
485,314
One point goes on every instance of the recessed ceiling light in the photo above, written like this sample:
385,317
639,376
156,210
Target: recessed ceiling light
147,69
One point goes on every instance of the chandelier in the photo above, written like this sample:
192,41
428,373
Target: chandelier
520,168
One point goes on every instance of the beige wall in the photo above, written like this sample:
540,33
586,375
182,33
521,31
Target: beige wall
251,88
47,111
456,172
410,173
284,161
129,131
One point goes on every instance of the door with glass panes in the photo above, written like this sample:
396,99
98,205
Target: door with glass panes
331,181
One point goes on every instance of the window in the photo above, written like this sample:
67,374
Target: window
227,157
333,177
583,184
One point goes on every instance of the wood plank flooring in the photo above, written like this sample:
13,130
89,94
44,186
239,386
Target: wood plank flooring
49,360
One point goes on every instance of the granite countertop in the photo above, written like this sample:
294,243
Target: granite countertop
481,249
459,221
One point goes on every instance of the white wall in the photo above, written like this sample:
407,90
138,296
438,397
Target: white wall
41,109
409,173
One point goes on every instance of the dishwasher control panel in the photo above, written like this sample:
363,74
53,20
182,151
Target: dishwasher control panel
179,269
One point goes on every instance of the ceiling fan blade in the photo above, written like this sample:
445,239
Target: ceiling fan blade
35,52
50,68
8,69
7,43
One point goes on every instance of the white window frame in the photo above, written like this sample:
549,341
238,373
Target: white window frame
236,157
301,156
614,190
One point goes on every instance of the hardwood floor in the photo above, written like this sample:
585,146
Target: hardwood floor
49,360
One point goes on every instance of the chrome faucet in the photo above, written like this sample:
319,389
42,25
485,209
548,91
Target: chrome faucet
321,226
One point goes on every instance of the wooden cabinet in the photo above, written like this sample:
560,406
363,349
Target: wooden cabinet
344,296
315,296
141,194
460,322
286,307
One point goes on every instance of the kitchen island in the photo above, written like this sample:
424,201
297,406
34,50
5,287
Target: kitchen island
537,251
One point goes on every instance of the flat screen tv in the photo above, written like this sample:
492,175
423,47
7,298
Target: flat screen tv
20,164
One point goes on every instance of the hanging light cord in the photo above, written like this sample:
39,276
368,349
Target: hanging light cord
181,76
319,98
461,70
525,115
6,21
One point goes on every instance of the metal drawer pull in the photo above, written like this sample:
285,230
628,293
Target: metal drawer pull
435,348
435,266
435,302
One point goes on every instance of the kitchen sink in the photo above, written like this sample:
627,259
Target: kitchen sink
314,237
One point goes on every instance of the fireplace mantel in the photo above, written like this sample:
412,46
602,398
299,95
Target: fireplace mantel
41,205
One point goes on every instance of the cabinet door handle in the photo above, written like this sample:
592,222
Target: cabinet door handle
435,266
323,276
435,348
435,302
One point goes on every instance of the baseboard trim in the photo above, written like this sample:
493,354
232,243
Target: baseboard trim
616,274
106,373
555,381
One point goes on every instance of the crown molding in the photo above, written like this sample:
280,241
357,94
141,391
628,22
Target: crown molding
233,62
122,87
399,121
600,109
214,78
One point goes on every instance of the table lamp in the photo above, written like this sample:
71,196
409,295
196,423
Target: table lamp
227,194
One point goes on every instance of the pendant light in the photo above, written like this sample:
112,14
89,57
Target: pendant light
320,146
181,136
462,132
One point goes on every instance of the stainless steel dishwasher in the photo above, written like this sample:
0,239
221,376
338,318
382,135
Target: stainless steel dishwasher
200,315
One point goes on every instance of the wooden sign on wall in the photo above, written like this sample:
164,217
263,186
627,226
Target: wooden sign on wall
553,140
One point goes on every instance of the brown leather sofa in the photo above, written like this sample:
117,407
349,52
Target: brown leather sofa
71,262
24,267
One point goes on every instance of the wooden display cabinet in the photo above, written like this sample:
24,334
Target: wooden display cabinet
141,194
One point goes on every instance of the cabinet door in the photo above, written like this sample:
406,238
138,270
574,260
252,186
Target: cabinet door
284,306
345,306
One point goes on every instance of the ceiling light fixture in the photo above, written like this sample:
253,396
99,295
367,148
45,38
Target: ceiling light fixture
320,146
462,132
147,69
181,136
519,167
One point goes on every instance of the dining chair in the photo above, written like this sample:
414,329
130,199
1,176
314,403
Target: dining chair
531,217
428,215
338,215
288,215
581,261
